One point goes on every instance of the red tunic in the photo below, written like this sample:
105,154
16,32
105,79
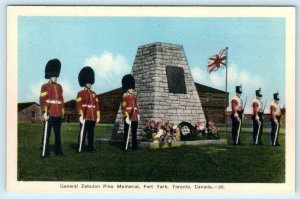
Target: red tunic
274,111
88,104
256,107
129,106
52,100
236,105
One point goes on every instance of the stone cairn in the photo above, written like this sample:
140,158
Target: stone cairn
153,67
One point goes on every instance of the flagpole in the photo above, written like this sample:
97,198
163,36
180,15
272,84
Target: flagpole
226,94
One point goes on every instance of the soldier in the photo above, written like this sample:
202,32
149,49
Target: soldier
130,110
52,104
275,114
87,108
236,115
257,117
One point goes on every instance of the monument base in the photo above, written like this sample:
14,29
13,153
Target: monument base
161,145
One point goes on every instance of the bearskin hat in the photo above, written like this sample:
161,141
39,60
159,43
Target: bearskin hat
86,75
238,89
52,68
275,95
257,92
128,82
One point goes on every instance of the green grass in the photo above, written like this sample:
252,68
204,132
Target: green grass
246,133
207,163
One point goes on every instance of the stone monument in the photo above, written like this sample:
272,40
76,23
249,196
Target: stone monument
164,87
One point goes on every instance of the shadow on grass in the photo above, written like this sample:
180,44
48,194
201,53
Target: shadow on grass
74,146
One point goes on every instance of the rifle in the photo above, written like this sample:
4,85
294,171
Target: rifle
129,130
245,104
45,138
127,140
81,135
82,127
240,124
276,134
260,124
46,130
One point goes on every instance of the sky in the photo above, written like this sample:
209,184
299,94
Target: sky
256,51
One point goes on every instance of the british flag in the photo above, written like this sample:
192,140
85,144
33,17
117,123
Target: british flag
217,61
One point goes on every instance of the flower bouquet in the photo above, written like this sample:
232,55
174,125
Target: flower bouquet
158,130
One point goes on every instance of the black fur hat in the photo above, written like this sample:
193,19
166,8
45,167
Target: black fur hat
257,92
238,89
128,82
86,75
52,68
275,95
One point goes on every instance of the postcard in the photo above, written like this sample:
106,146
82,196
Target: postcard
152,99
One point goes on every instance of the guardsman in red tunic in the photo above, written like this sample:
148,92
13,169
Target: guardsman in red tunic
257,117
87,108
52,105
130,110
236,115
275,115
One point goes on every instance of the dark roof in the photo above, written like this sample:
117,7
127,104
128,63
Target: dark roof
115,91
206,89
200,88
22,106
70,104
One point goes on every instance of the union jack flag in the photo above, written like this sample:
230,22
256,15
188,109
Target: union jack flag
217,61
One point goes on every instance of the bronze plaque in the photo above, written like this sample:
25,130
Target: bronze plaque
176,81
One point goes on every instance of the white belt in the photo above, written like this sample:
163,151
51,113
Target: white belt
53,101
129,108
89,106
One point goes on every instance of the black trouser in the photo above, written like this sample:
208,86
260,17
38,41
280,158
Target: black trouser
134,126
273,131
255,129
55,123
88,132
235,129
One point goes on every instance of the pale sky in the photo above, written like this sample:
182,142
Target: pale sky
256,55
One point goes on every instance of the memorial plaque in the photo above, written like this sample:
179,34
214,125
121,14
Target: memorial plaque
176,80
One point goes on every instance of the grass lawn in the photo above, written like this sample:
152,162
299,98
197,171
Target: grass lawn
202,163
